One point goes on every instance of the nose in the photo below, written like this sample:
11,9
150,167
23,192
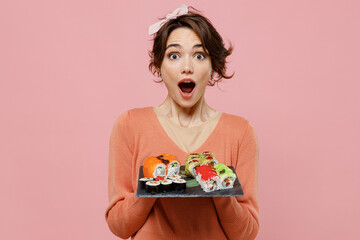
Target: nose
187,66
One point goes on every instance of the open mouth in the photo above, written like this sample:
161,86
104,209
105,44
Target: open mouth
186,86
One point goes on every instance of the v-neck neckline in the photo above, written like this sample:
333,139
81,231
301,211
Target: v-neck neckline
202,146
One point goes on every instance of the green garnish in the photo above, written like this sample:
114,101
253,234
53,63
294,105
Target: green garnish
192,183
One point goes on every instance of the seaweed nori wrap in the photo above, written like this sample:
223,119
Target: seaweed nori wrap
166,185
144,180
179,185
152,187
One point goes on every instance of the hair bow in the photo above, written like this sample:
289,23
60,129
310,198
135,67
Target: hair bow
182,10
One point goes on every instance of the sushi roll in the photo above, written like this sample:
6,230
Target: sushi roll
166,185
192,168
179,185
172,164
152,187
174,177
154,167
167,156
173,168
208,158
191,158
207,178
143,181
227,176
207,154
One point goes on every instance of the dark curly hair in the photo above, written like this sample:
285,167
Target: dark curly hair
210,38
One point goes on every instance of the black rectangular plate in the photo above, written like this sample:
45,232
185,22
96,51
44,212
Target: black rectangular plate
193,191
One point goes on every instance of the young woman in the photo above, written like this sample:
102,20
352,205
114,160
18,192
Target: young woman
188,55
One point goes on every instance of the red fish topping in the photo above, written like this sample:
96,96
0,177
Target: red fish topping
206,172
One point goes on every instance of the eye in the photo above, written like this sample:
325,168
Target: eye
173,56
200,56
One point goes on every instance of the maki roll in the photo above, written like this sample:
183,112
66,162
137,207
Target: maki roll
173,168
207,178
227,176
152,187
207,153
192,168
174,177
179,185
143,181
154,167
166,185
172,164
208,158
167,156
191,158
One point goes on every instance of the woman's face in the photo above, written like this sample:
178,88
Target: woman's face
186,68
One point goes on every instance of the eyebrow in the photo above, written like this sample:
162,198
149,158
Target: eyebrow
179,46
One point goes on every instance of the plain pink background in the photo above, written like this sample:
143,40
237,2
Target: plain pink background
69,68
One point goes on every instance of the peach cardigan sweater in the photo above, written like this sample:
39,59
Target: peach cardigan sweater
138,134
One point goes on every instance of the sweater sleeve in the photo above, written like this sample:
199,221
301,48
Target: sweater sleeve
126,213
239,216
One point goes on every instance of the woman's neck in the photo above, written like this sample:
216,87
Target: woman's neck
186,117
